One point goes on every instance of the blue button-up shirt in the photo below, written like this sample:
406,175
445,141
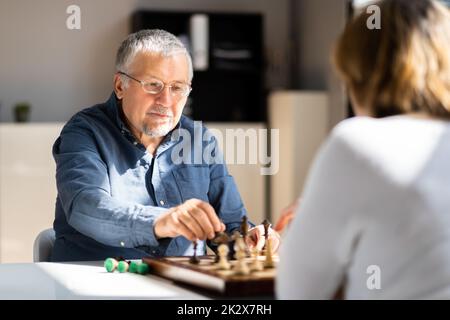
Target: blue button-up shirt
110,189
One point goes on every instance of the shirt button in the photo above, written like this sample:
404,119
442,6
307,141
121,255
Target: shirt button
135,143
161,202
122,243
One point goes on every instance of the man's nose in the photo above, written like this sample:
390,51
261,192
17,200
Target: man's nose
165,96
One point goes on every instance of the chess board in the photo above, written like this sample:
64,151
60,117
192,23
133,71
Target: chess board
206,275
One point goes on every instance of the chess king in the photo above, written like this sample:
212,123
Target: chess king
120,192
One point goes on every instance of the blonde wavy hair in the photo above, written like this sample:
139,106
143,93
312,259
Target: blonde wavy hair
404,66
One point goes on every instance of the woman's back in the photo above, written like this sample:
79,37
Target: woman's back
375,214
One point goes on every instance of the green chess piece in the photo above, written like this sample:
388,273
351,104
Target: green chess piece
122,266
133,267
143,268
111,264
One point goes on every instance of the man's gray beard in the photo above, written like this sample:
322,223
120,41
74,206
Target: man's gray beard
161,131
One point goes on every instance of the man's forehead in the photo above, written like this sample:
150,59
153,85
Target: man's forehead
149,64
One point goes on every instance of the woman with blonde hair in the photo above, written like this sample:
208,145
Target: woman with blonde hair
374,222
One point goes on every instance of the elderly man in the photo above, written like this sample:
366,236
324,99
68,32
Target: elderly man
120,192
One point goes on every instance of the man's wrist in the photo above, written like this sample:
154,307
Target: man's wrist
156,231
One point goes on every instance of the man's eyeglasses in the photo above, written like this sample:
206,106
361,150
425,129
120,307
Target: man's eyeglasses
155,86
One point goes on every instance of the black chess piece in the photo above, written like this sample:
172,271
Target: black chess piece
194,259
220,238
244,226
266,225
244,232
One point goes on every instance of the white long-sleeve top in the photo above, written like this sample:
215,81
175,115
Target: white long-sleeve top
374,215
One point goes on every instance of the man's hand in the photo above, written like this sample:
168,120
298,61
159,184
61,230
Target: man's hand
194,219
255,237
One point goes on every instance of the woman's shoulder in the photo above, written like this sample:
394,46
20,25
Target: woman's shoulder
358,133
389,130
386,142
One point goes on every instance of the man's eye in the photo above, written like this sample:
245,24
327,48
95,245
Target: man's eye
153,85
177,88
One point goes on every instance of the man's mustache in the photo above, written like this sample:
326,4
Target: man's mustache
160,110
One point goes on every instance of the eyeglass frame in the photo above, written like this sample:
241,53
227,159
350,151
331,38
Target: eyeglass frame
143,83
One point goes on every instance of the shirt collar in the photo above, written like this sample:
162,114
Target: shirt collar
115,109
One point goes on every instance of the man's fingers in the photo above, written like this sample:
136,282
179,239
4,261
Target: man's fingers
182,229
187,219
202,220
211,215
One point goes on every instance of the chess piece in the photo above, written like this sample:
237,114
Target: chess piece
123,266
223,263
143,268
111,264
220,238
256,264
241,267
269,263
244,227
244,232
232,245
194,259
266,225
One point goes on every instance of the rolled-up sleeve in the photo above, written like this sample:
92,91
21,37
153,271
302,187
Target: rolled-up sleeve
84,191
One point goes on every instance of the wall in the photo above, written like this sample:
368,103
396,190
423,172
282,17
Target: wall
318,24
60,71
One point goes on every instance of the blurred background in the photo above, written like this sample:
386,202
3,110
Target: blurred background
259,64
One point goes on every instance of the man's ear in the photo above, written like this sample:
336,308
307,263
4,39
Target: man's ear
118,86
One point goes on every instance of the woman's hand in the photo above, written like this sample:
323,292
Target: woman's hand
287,214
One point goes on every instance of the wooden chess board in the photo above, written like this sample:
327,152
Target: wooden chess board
206,275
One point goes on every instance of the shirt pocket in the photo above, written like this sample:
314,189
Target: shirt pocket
192,181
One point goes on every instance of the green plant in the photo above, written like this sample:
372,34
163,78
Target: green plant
22,111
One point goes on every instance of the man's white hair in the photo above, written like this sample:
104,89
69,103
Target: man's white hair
153,41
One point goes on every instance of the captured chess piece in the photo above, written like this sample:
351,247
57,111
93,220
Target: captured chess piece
223,263
111,264
133,268
194,259
123,266
143,268
269,263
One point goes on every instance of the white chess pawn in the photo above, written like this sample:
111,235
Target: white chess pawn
269,263
256,264
241,266
223,263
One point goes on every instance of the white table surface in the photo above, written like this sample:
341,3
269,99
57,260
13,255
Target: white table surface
82,280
